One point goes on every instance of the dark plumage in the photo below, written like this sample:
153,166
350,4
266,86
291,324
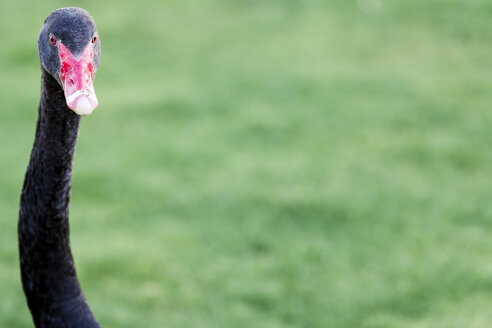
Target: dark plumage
53,293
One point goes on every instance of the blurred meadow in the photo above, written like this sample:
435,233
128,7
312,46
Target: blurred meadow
275,163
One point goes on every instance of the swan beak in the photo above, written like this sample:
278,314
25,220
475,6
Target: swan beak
77,75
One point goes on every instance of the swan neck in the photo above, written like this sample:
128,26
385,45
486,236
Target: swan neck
50,283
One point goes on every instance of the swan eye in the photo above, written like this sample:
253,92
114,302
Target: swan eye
94,39
52,39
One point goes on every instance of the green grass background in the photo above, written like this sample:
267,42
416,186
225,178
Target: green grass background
274,163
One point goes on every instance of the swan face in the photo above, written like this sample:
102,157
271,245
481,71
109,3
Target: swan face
69,49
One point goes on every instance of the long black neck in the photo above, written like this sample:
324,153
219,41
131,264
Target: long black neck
48,274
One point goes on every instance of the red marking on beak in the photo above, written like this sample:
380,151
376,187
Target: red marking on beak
77,76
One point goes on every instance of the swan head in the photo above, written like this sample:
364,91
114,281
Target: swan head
69,49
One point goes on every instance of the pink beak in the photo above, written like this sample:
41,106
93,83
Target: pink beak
77,76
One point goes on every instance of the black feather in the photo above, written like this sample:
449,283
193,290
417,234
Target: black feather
50,283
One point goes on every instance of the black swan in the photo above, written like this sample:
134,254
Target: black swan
69,49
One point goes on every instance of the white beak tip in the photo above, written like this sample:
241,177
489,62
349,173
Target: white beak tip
84,106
